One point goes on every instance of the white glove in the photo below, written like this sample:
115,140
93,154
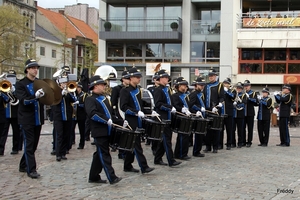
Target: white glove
154,114
198,114
109,122
184,109
64,92
76,102
276,93
234,103
141,114
125,123
39,93
225,89
173,110
220,105
12,88
247,94
188,113
203,109
259,97
214,110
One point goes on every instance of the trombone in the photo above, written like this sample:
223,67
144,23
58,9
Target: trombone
5,86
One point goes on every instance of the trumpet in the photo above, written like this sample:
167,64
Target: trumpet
71,86
5,86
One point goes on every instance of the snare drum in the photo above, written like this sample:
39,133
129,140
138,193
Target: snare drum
200,125
217,122
182,124
154,129
123,139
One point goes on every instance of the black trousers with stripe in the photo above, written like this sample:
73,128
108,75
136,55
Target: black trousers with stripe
31,136
102,160
62,129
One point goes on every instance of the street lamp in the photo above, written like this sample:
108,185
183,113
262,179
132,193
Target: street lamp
26,49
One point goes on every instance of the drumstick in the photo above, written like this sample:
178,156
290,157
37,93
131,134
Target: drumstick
180,113
198,116
120,126
212,112
129,127
158,118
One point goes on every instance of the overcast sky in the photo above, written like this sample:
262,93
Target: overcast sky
63,3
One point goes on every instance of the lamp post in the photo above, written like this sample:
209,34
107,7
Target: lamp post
26,49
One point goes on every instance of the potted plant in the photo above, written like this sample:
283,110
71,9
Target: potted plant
174,26
107,26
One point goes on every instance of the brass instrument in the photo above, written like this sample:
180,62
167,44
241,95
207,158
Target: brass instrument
71,86
5,86
237,100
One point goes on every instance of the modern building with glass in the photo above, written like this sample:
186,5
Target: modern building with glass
256,40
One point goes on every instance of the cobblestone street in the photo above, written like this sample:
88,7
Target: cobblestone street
247,173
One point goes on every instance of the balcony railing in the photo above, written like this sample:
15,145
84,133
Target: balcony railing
205,27
141,25
261,20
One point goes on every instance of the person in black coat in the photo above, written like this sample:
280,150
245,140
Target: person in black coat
62,117
30,117
229,97
264,117
131,104
4,99
99,112
180,102
285,101
249,118
163,106
214,97
197,106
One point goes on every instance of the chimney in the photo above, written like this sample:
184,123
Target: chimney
61,12
35,3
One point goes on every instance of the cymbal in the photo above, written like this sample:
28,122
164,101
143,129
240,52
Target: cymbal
48,98
56,90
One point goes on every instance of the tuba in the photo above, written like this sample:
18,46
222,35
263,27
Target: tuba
71,86
6,86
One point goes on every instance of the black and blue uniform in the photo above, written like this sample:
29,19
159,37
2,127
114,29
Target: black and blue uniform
263,120
3,135
239,113
249,118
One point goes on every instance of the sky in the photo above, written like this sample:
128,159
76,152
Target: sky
63,3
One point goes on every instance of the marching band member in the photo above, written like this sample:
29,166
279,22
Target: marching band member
131,104
196,105
11,110
214,96
285,101
99,112
163,106
30,117
79,116
62,117
115,97
239,113
249,118
4,99
180,101
228,109
263,117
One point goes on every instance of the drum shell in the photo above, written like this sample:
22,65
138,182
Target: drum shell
182,124
217,122
154,129
200,125
123,139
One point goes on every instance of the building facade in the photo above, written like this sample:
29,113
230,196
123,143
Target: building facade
242,39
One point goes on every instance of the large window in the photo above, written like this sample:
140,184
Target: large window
205,52
42,51
143,52
269,61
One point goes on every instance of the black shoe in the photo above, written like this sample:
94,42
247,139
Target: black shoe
148,170
215,151
14,152
67,152
98,181
220,147
58,158
279,145
233,146
259,145
132,170
199,155
185,158
79,147
116,180
33,175
206,150
53,153
64,158
93,143
248,145
175,163
228,148
22,170
264,145
87,139
160,163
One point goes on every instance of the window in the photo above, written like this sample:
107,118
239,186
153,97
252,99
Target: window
154,50
42,51
205,52
53,53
